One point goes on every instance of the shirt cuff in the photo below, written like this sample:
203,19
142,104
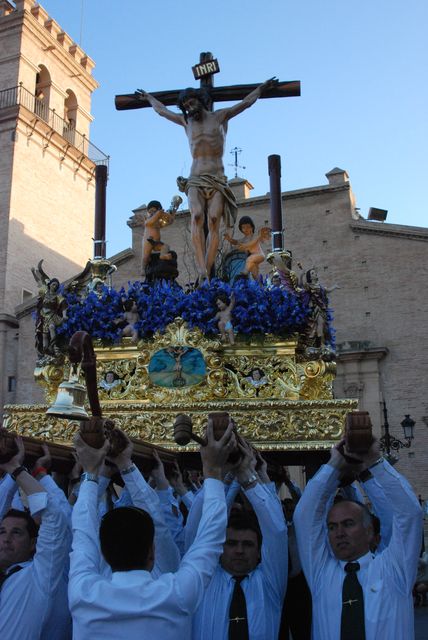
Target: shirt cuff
214,488
258,490
7,483
37,502
88,488
166,496
381,468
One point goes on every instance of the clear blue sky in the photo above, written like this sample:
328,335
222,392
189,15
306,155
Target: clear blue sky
363,69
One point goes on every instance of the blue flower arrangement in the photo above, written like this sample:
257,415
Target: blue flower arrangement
259,309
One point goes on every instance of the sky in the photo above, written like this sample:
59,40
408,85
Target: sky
362,65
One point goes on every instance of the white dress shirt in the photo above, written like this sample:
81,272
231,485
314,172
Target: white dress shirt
132,604
25,598
381,507
173,516
386,579
167,555
7,491
265,586
58,622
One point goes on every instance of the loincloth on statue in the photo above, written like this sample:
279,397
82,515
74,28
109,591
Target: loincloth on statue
208,185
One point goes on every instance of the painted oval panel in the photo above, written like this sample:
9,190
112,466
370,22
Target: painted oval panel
176,367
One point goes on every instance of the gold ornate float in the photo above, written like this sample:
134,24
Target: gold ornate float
280,401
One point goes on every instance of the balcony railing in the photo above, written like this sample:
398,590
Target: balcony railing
21,96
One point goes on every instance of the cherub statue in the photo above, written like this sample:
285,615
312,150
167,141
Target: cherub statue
256,377
251,243
128,320
110,381
155,220
224,316
51,313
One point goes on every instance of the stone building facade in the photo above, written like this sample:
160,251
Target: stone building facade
47,163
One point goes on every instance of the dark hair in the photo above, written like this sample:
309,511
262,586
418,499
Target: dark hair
262,373
126,538
32,526
154,203
203,95
128,304
223,297
375,524
308,275
243,520
246,220
52,280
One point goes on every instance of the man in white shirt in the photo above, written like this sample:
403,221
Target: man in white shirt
244,598
31,561
357,595
131,603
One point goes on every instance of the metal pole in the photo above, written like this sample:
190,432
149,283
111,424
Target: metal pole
386,427
100,211
274,164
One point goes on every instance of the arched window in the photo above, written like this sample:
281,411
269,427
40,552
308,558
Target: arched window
42,93
70,115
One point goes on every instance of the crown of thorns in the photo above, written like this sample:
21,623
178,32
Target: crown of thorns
202,95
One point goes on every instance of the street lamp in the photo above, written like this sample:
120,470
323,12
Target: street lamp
388,442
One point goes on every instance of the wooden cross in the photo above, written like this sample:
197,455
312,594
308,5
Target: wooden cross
219,94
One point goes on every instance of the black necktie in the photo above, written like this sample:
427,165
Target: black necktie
238,624
5,576
352,624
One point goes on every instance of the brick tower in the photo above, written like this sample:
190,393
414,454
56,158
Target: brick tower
47,162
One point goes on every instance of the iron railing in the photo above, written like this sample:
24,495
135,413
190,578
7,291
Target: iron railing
20,96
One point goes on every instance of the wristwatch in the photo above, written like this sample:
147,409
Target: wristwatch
15,473
130,469
90,477
364,476
249,481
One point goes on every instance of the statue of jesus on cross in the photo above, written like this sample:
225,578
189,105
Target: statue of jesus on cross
206,188
209,195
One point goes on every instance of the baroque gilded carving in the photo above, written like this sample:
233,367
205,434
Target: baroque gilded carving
278,400
269,424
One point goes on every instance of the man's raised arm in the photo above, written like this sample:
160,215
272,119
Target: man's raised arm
160,108
248,101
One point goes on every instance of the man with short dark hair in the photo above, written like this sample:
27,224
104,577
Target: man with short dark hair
32,559
132,604
244,598
357,595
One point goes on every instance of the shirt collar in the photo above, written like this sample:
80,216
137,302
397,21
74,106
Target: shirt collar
363,561
228,577
18,564
131,578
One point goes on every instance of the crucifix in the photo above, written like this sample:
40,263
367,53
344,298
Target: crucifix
209,196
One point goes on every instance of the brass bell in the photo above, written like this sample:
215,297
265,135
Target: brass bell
69,402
